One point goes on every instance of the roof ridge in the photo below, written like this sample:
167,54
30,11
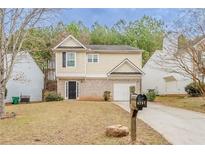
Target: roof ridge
109,45
112,47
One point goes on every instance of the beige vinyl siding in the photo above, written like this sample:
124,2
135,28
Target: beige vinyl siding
125,68
70,43
108,61
80,63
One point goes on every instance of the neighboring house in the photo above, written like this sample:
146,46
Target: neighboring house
159,79
86,71
163,81
26,78
201,45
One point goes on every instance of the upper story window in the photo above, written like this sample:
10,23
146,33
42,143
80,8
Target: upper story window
93,58
70,59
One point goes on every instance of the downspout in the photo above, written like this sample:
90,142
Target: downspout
141,85
85,63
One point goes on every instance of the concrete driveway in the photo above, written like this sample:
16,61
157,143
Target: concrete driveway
178,126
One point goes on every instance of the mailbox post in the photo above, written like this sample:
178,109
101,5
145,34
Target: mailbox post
133,114
137,102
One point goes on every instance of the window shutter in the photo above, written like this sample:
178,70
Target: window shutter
64,59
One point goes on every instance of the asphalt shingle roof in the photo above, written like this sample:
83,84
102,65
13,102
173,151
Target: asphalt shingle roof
111,47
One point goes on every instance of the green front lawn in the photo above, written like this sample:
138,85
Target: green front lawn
70,123
189,103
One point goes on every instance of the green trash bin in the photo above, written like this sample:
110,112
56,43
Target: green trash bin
15,100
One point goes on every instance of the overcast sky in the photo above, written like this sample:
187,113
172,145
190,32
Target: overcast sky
110,16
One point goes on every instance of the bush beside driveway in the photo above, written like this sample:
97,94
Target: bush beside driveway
64,122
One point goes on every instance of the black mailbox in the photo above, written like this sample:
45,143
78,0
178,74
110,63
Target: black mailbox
138,101
141,101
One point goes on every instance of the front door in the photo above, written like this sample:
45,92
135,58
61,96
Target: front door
72,90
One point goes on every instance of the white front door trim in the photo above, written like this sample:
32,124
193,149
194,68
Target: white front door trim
66,89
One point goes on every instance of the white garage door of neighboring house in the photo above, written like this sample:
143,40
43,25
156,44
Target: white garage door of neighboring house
171,87
121,91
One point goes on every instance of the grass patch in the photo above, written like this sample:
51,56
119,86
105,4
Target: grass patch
189,103
70,123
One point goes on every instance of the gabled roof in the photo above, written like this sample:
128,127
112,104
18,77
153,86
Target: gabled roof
126,60
96,48
69,37
25,57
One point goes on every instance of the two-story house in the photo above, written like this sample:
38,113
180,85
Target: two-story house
85,72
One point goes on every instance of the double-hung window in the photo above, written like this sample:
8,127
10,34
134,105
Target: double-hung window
90,58
93,58
71,59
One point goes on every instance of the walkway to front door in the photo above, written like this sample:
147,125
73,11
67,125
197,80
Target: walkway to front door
178,126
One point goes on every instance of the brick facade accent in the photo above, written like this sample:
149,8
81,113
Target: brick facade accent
61,87
93,89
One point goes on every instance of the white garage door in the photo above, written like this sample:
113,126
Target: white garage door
171,87
121,91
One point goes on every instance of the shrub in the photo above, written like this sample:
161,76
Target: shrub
193,90
151,94
107,96
53,96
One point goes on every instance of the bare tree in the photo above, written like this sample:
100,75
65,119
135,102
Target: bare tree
184,50
14,25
